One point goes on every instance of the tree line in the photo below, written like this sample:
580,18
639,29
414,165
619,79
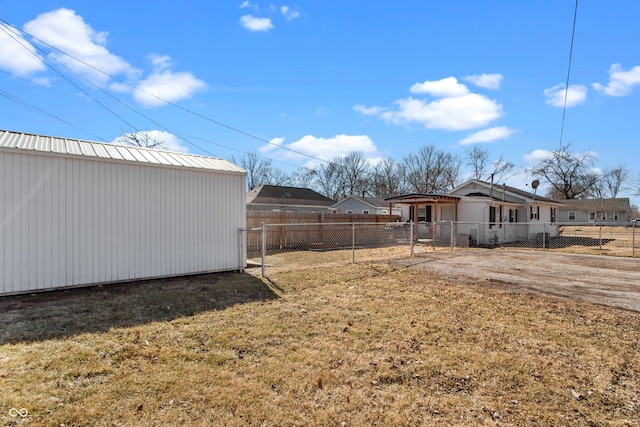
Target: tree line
429,170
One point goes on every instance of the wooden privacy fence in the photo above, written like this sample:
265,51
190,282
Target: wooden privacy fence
297,230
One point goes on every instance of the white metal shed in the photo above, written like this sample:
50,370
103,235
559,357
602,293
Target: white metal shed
76,212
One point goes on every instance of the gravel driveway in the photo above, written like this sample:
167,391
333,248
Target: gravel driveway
612,281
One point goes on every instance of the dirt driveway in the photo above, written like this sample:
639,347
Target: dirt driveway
598,279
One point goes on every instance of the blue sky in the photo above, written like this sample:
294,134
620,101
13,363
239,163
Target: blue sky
329,77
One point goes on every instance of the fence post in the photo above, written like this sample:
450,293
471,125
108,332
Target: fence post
240,250
633,240
544,236
452,235
411,238
353,242
264,248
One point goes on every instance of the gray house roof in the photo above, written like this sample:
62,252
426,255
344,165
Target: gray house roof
291,196
17,142
591,205
484,190
374,202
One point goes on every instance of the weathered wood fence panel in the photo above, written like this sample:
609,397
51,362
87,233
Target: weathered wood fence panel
308,236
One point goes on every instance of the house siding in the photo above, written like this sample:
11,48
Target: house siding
71,221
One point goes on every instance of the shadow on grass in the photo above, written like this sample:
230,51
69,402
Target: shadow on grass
63,313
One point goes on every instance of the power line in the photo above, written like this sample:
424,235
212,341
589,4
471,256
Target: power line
24,103
566,87
12,35
216,122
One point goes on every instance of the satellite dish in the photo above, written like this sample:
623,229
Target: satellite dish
535,184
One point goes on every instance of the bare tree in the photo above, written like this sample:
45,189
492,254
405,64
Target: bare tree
482,169
259,170
387,179
142,139
430,170
302,178
344,176
356,172
501,169
329,180
614,179
478,161
569,174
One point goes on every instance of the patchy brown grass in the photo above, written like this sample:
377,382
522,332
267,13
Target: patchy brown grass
363,344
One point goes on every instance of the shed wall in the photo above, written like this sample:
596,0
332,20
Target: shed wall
69,221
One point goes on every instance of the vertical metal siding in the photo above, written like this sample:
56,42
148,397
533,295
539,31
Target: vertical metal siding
67,221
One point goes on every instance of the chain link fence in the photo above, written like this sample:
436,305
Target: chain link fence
278,246
288,246
617,239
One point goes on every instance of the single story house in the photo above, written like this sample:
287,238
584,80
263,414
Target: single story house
365,205
592,210
486,213
275,198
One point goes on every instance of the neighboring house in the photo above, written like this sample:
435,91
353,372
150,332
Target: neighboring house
365,205
591,210
79,212
274,198
488,213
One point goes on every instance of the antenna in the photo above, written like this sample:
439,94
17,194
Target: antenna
534,184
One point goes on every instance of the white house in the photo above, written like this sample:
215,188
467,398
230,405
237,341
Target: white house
77,212
591,210
486,212
365,205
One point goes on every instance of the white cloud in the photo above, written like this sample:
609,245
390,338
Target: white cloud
169,141
274,144
252,23
456,109
465,112
324,148
368,111
576,95
487,81
17,55
440,88
288,13
620,82
245,4
65,30
160,62
167,86
488,135
536,155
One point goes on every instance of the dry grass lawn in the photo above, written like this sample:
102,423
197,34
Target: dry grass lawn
356,345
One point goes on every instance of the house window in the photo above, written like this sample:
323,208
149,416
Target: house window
553,214
385,212
500,216
534,212
492,216
612,216
349,211
513,215
365,211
